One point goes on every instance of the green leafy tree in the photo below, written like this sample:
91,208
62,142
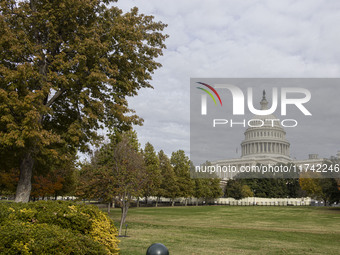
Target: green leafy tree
207,185
207,188
320,188
181,165
153,173
201,189
168,185
215,188
66,68
246,191
268,187
236,189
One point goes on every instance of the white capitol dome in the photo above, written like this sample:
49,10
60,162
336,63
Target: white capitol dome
265,137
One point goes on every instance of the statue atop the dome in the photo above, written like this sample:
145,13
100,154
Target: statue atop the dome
264,102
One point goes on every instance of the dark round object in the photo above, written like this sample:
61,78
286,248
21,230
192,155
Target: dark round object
157,249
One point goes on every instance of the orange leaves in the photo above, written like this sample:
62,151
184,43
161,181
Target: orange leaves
8,181
46,186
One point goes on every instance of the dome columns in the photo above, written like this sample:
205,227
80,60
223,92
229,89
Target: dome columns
263,147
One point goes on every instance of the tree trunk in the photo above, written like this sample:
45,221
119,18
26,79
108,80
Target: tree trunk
125,207
173,202
108,207
157,201
197,202
138,202
25,183
186,202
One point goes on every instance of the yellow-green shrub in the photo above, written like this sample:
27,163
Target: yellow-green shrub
80,223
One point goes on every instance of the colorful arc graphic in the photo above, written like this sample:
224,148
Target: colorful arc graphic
213,90
208,93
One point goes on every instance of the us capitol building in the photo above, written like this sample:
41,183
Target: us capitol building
264,143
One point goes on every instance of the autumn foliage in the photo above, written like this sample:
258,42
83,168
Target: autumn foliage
66,70
46,186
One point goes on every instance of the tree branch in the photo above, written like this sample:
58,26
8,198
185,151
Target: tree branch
56,95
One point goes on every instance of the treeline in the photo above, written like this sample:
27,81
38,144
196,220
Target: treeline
264,187
119,165
313,184
120,170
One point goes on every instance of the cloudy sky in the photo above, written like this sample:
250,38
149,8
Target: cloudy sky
219,38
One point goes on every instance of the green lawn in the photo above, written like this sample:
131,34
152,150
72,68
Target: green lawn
233,230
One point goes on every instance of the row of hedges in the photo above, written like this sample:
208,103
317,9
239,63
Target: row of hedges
55,227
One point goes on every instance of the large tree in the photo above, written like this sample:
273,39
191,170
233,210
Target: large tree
66,68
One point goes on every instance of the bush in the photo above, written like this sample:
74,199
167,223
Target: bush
56,227
18,237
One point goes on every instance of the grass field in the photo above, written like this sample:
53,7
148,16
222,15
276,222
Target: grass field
233,230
